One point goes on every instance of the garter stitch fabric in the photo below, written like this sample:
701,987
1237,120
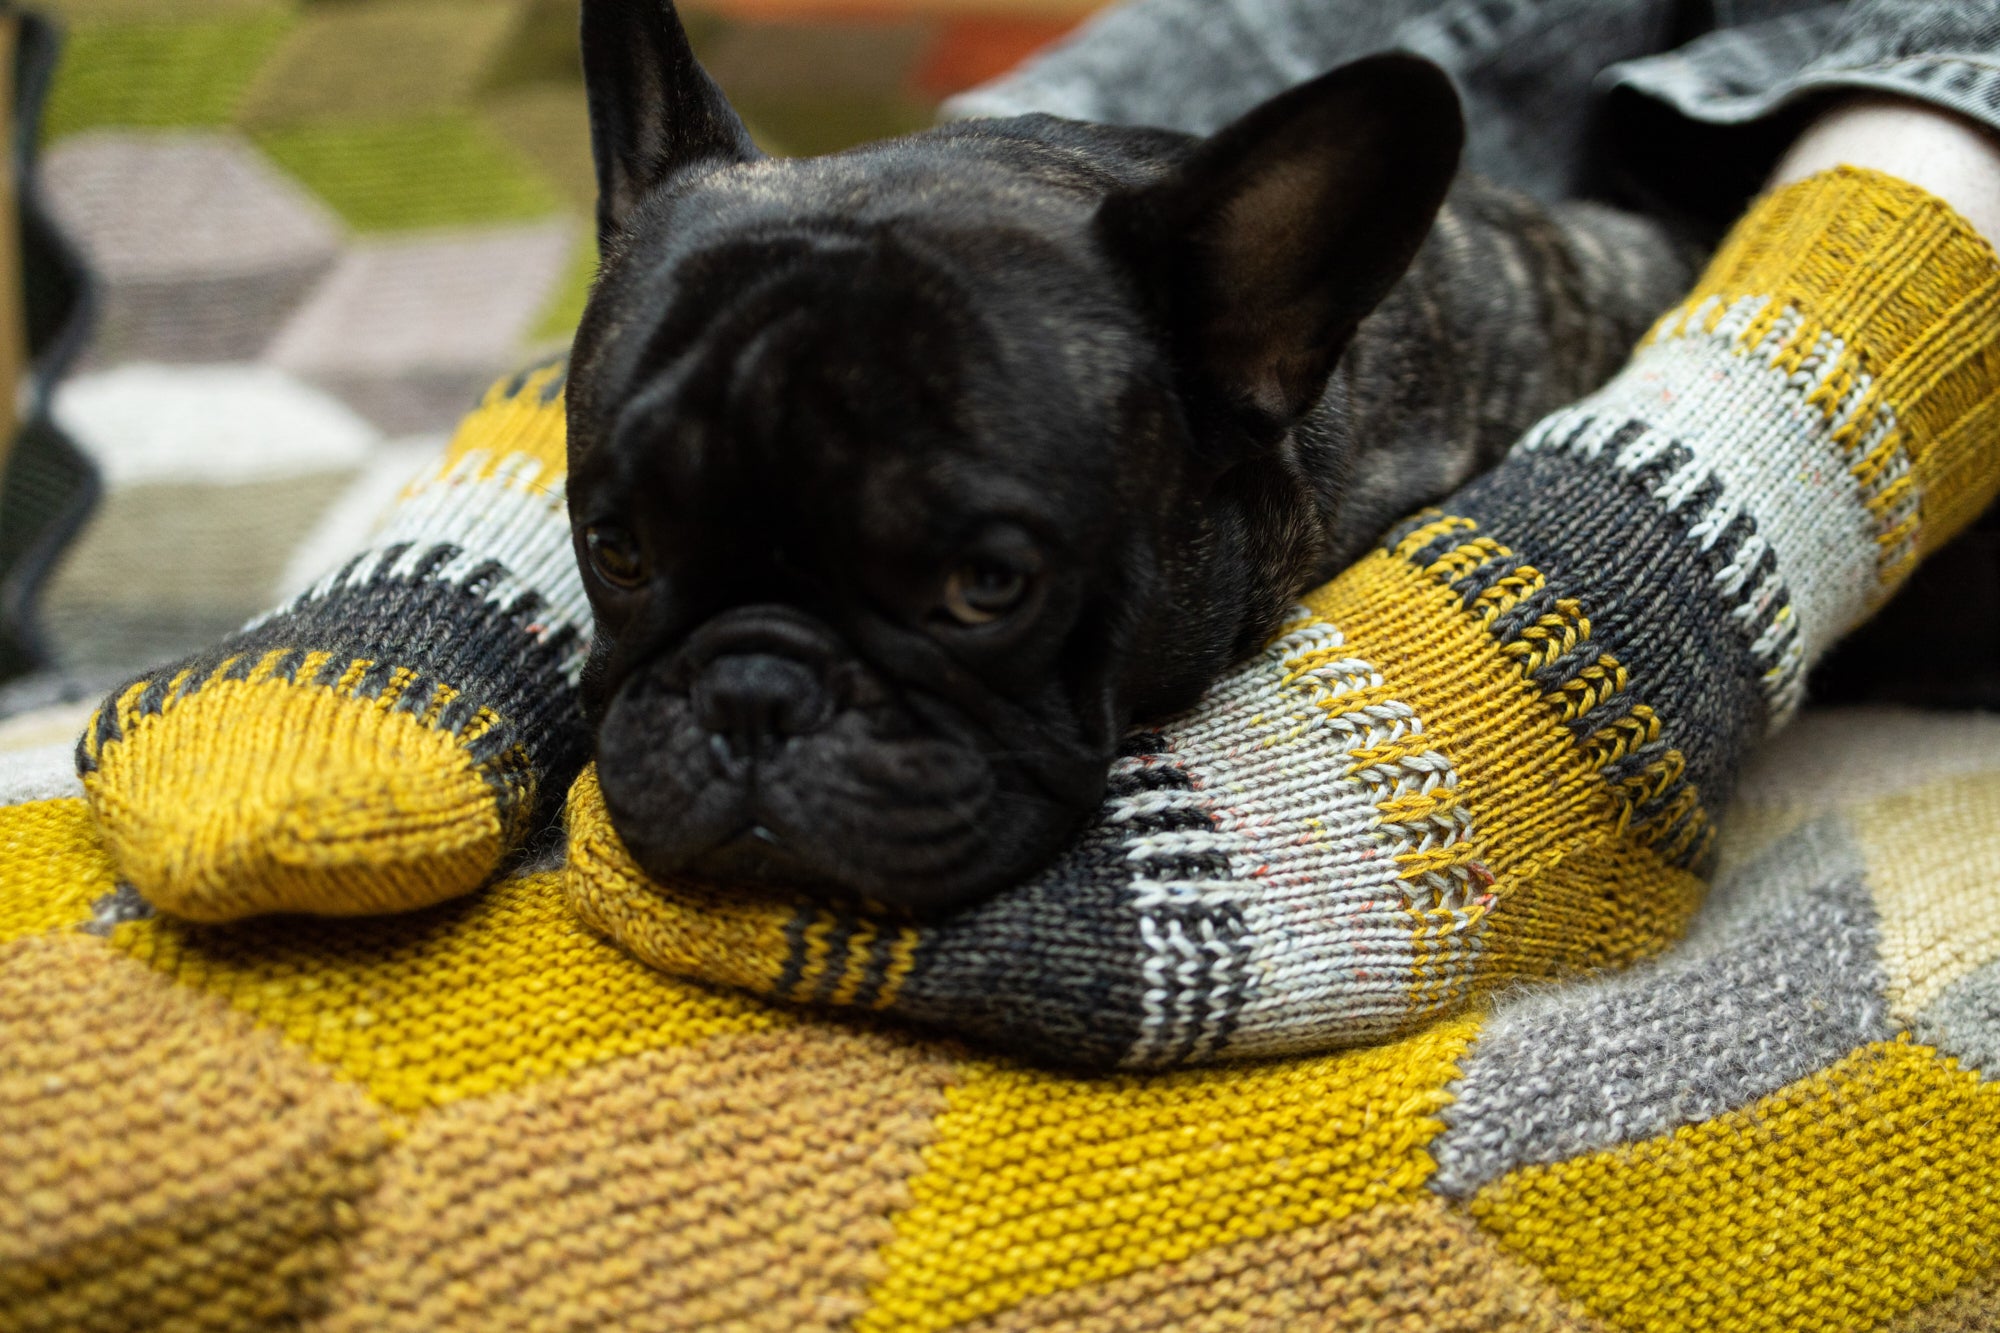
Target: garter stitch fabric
1493,749
389,737
482,1117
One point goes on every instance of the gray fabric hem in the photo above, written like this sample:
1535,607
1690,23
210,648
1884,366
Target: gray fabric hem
1977,98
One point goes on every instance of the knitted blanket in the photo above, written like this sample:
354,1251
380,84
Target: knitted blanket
483,1116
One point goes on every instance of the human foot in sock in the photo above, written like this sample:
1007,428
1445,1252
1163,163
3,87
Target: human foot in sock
390,736
1490,750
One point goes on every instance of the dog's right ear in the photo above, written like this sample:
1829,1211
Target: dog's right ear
1282,231
653,109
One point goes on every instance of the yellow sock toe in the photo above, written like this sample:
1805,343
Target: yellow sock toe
269,794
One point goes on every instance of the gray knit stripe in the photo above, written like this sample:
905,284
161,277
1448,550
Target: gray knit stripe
1964,1022
1778,978
1044,972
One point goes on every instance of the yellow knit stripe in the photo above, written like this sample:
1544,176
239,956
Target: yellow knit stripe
1040,1183
1565,632
52,867
1956,377
901,955
508,429
1536,795
777,945
1912,293
1600,907
1682,828
1850,1196
854,966
813,956
498,990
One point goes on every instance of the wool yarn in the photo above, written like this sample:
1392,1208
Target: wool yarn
483,1117
1492,750
389,737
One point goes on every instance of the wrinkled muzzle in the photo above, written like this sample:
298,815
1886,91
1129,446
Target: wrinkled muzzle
763,749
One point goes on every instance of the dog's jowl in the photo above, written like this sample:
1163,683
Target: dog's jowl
905,480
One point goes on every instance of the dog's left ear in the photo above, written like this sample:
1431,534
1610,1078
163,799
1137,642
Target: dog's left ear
653,109
1274,241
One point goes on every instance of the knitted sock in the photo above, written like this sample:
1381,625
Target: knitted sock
1490,750
386,739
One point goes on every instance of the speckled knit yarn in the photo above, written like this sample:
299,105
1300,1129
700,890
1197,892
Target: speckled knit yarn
482,1117
388,738
1491,750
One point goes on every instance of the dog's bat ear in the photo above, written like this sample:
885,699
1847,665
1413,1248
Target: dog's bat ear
653,109
1285,229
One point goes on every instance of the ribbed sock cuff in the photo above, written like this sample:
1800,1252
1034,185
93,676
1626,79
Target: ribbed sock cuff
1886,303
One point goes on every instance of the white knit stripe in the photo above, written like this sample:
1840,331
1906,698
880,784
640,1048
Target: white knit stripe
1827,357
514,515
1747,425
1178,967
521,470
515,497
1329,953
1171,962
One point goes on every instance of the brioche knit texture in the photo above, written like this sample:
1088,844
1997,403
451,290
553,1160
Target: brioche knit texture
1493,749
389,737
483,1116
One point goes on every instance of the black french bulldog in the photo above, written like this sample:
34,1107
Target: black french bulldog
905,480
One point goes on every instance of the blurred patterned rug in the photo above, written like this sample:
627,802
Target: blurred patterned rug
320,227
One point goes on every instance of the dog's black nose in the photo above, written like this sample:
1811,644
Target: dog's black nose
751,703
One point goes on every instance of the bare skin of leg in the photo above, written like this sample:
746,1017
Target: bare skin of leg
1954,159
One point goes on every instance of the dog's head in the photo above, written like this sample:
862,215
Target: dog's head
904,479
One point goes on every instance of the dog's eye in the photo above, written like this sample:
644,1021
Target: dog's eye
614,554
981,592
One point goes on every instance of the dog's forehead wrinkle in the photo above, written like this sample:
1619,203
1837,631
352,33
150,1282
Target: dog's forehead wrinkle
626,457
879,183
